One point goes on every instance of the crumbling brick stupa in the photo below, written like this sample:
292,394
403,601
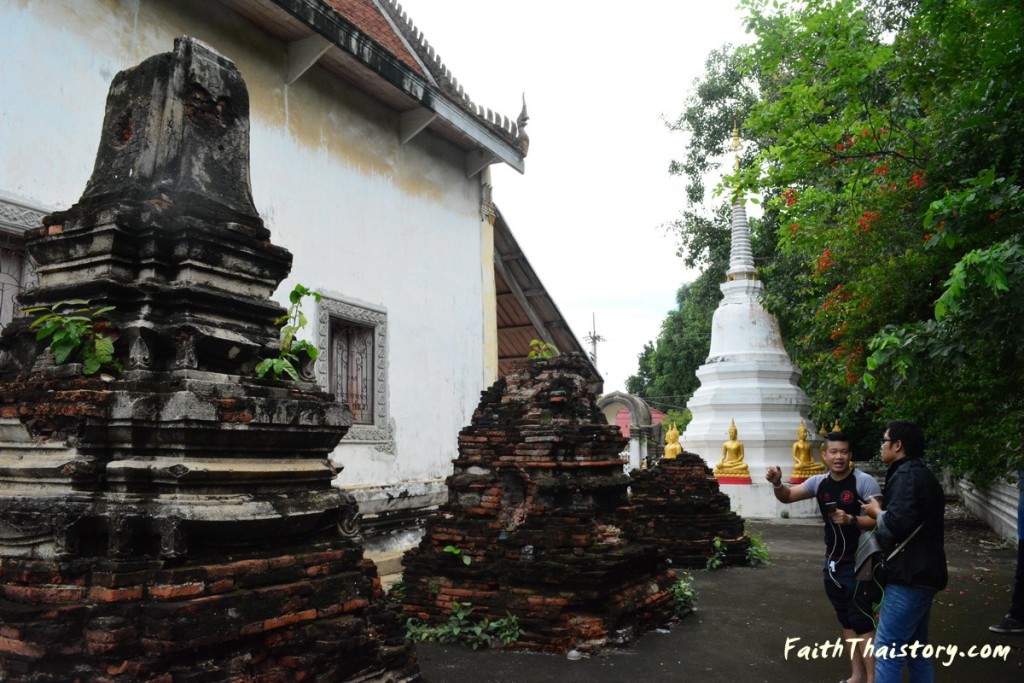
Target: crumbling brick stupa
679,506
533,504
174,519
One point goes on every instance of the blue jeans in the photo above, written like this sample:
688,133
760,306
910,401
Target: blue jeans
903,621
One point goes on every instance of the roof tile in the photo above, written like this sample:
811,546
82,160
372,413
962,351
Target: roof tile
366,17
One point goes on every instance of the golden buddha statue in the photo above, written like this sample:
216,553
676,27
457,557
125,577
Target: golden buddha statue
804,465
672,446
731,469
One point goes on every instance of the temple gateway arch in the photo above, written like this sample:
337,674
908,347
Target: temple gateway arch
640,428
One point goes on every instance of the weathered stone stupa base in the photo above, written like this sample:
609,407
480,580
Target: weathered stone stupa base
678,506
171,518
533,503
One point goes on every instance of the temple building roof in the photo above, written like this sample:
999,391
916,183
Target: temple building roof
366,15
525,309
375,46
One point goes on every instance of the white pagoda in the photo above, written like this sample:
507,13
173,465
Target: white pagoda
748,378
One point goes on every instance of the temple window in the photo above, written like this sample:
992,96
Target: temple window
351,368
16,272
352,340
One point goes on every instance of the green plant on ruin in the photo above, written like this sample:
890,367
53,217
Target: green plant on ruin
457,552
717,556
541,350
462,628
684,595
505,630
784,514
757,553
72,330
292,349
397,591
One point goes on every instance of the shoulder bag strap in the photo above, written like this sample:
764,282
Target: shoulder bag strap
905,542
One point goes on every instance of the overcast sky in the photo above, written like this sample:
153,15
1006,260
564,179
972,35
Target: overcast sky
589,211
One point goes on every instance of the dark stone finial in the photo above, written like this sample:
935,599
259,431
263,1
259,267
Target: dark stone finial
165,236
176,130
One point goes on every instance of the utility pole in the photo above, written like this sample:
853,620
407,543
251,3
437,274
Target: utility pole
592,338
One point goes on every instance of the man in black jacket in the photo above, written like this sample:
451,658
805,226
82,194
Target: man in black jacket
911,526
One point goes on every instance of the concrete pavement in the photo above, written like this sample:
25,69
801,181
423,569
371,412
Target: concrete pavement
744,617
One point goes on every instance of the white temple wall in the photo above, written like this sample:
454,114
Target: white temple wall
395,229
996,504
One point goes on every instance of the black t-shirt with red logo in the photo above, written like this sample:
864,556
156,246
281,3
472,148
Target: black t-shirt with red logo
848,493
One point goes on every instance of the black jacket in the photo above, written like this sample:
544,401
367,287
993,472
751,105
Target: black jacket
913,495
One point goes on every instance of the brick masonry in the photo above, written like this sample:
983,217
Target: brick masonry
678,505
534,502
317,613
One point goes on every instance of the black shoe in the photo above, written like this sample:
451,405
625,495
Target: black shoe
1008,625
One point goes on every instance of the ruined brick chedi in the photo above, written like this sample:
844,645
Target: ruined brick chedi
175,519
534,503
679,506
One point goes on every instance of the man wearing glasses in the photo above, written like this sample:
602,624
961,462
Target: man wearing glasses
840,493
910,530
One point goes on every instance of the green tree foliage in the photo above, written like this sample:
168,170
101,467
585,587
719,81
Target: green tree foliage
666,376
666,367
885,139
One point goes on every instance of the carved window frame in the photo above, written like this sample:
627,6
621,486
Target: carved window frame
332,309
16,216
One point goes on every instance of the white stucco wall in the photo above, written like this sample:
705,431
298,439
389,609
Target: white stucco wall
996,504
397,227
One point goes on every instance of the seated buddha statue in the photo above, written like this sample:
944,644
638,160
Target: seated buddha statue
672,446
732,467
804,464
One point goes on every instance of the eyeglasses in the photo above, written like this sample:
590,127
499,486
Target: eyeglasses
884,440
